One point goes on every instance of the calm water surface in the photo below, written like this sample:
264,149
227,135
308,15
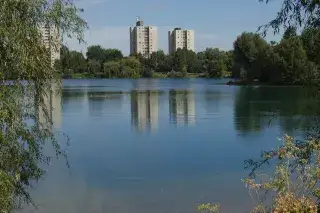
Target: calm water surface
162,145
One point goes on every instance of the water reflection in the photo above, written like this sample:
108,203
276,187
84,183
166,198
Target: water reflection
52,103
70,95
101,103
213,99
144,110
182,107
123,172
257,108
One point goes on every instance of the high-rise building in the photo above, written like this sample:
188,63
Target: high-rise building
180,38
51,40
143,39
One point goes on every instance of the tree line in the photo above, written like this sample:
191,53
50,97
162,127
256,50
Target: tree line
110,63
293,60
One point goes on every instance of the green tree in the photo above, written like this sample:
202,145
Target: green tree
201,56
102,55
196,67
96,52
229,60
222,63
271,69
71,62
167,64
64,58
130,67
112,54
191,58
94,67
248,53
157,60
180,62
311,42
77,62
290,32
293,60
211,53
111,69
22,53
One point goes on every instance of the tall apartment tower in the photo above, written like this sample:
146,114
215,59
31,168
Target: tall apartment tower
180,38
143,39
51,40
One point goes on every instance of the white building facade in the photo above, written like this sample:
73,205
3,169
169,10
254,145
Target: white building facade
143,39
52,41
180,38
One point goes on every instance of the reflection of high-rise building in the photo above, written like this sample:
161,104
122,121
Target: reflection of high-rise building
144,110
182,107
52,104
56,106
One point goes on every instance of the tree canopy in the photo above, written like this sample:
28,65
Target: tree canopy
292,60
211,62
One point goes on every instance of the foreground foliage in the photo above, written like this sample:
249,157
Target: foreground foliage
294,186
23,100
210,208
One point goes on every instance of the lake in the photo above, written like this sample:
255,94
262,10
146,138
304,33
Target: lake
162,145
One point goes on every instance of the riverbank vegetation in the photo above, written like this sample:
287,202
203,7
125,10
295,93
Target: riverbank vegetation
292,60
110,63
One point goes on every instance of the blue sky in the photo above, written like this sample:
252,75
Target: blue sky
216,22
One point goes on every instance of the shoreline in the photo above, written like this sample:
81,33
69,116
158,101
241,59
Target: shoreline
156,75
236,82
231,82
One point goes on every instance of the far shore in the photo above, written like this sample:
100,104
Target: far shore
229,80
155,75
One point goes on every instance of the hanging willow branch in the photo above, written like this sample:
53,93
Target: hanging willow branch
294,13
26,75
